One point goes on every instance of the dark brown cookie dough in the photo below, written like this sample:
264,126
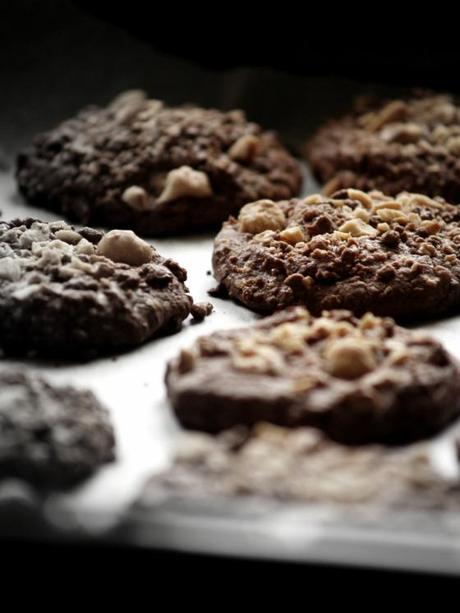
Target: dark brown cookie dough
401,145
78,293
359,380
301,464
155,169
51,436
363,252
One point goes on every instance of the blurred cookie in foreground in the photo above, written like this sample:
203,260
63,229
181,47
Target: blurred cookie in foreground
80,293
140,164
360,380
302,465
398,145
395,256
51,436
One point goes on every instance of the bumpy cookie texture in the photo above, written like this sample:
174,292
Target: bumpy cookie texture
51,436
157,170
395,256
78,293
400,145
267,461
359,380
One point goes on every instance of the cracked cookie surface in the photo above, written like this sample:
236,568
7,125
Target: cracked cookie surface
79,293
155,169
52,436
395,256
399,145
359,380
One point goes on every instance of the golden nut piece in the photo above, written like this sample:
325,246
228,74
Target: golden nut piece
136,197
185,182
124,246
357,227
245,148
261,215
349,358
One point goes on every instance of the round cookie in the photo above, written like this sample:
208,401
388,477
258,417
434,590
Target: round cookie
51,436
301,464
401,145
354,250
155,169
78,293
359,380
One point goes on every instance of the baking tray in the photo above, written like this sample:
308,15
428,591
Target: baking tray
131,387
96,61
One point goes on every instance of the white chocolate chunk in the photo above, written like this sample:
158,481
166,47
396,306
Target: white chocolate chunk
244,148
10,269
185,182
136,197
68,236
261,215
125,246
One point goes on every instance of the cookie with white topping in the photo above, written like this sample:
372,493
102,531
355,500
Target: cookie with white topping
51,436
80,293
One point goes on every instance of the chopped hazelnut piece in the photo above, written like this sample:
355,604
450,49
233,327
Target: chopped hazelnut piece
343,236
261,215
68,236
388,204
394,111
383,227
136,197
245,148
257,358
349,358
292,235
403,133
392,215
357,194
314,199
362,214
185,182
264,237
85,247
125,246
289,337
414,218
357,227
431,226
333,185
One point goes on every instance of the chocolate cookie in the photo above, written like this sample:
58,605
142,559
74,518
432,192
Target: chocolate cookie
156,169
73,293
301,464
363,252
359,380
51,436
402,145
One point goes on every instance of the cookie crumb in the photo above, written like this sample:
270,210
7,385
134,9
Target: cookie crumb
200,310
219,291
